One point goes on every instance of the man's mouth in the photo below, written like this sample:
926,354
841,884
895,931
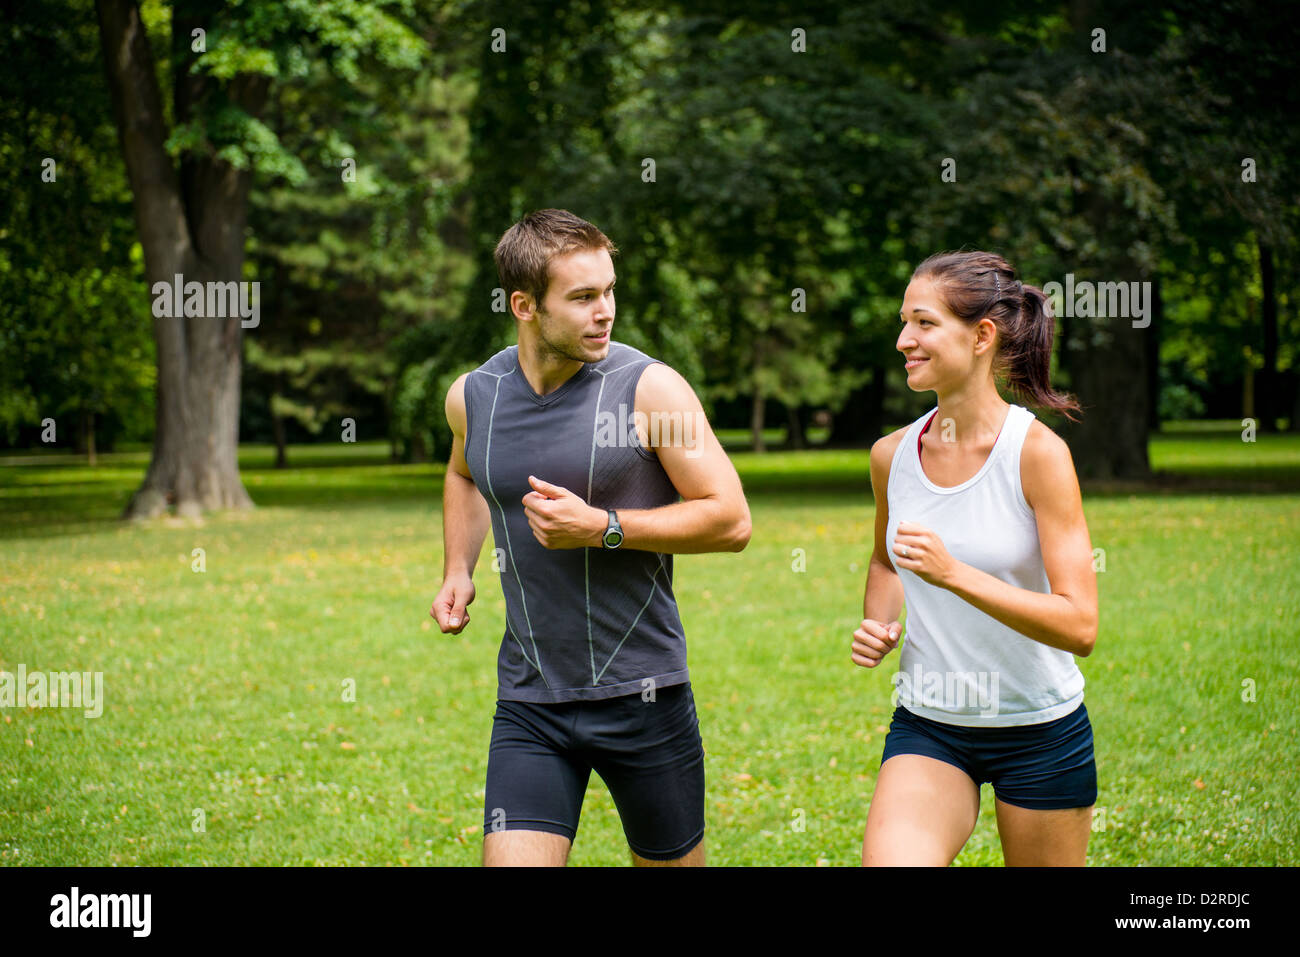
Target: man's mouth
602,337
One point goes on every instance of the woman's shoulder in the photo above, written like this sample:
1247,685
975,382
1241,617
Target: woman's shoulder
1045,463
1042,445
883,449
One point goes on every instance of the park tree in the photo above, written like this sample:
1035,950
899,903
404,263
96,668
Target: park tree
365,258
1231,170
76,359
190,160
783,160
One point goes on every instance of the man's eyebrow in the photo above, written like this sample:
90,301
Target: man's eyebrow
588,288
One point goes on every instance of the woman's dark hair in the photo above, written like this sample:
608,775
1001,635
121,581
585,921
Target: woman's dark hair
978,284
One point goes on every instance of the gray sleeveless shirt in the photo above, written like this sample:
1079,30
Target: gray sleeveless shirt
581,623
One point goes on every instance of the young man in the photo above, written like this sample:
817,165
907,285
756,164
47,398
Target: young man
577,449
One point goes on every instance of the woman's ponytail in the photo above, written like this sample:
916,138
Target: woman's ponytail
1027,357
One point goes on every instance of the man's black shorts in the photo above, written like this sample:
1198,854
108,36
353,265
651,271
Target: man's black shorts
648,753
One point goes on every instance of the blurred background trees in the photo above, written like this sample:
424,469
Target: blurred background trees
771,172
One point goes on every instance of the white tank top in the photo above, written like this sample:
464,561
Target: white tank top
959,665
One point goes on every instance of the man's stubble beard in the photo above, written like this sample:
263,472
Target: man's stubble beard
549,348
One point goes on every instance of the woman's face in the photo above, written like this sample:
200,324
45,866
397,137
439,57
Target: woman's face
941,351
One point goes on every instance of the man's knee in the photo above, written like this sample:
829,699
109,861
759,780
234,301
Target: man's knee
521,848
692,858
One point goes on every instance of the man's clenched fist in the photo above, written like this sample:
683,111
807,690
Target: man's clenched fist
561,519
450,607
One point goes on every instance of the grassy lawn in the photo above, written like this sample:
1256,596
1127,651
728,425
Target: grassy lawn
224,689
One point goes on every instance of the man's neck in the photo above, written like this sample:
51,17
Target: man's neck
545,370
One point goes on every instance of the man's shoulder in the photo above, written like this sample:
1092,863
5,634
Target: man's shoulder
654,379
502,363
621,356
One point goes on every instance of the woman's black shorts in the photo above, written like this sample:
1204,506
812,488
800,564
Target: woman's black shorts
1040,766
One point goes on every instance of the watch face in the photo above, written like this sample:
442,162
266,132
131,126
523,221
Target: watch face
613,538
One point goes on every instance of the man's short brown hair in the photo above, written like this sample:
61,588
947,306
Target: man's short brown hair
524,253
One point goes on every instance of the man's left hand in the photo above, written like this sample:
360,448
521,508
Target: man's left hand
560,519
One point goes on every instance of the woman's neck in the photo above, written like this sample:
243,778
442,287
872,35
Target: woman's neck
976,415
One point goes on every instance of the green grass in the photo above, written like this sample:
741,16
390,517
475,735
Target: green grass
224,689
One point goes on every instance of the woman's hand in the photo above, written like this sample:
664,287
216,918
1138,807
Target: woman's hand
873,640
921,551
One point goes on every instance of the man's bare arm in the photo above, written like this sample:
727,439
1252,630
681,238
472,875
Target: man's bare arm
714,516
465,523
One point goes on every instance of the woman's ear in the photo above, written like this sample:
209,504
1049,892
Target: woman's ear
986,333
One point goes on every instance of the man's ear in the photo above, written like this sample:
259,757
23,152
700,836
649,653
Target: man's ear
522,305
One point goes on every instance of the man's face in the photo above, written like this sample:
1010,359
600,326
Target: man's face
575,317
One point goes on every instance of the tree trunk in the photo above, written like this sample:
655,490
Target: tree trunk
1108,374
757,413
1248,405
88,426
1293,424
796,431
394,449
419,451
1267,395
1106,358
758,406
862,420
1153,334
277,428
192,225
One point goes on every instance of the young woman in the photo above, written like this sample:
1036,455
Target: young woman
980,530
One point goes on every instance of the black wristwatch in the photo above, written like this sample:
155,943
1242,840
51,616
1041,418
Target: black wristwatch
613,532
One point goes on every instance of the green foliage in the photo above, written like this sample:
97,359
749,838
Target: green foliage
775,170
361,254
74,325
